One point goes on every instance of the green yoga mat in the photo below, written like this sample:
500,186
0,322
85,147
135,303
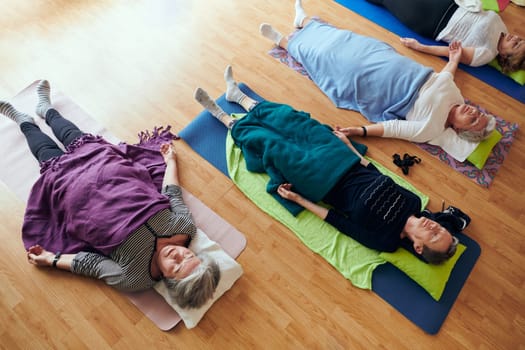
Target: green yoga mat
353,260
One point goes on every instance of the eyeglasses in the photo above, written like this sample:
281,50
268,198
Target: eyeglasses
452,249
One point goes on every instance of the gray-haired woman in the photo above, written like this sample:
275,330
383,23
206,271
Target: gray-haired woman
97,210
365,204
404,98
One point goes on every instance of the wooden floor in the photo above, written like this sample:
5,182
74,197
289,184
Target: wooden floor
135,64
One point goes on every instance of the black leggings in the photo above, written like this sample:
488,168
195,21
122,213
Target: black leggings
425,17
41,145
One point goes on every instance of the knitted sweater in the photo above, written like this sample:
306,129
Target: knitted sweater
127,268
371,208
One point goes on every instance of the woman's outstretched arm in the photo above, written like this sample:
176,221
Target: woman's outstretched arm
171,176
438,50
454,57
38,256
285,191
341,136
367,130
397,129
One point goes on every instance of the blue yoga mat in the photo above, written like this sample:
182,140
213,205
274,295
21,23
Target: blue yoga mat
207,136
381,16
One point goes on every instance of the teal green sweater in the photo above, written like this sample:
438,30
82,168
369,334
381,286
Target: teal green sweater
293,148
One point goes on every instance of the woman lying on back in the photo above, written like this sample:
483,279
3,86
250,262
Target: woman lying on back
483,34
406,99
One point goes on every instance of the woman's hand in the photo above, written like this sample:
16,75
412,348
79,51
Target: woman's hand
455,50
341,136
285,191
168,152
411,43
171,176
38,256
350,131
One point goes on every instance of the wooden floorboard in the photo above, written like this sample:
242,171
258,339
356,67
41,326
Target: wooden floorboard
133,65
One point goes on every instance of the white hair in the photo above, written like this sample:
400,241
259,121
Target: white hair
195,289
477,136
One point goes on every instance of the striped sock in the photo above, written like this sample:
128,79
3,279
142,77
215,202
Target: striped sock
44,99
204,99
9,111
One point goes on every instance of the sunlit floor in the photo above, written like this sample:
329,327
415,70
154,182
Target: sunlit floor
135,65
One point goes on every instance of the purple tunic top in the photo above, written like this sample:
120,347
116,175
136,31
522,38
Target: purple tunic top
94,196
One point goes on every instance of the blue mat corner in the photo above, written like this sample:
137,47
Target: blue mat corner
413,301
206,135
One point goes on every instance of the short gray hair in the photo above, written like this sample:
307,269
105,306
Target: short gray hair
477,136
198,287
436,257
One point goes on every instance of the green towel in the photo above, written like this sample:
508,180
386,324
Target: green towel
353,260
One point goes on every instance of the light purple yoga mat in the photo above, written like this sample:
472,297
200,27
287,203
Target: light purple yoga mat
19,170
